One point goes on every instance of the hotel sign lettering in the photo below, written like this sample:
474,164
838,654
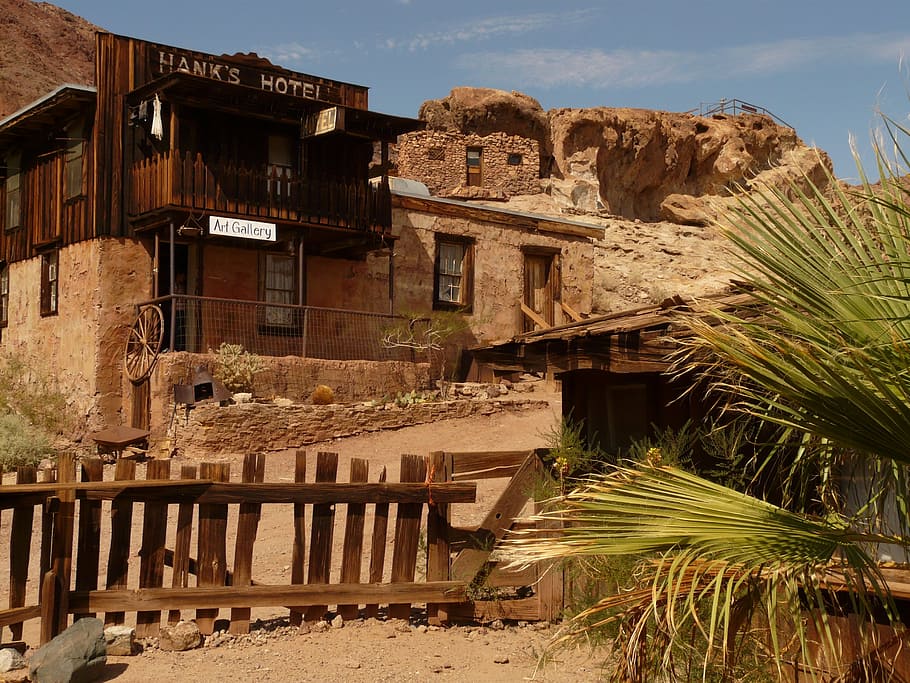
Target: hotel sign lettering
235,227
165,60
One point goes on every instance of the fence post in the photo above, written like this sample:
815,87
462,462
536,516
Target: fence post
438,519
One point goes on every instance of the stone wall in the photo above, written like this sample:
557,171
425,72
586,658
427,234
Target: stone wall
437,159
230,431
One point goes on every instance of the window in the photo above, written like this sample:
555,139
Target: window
4,295
281,162
279,287
436,154
73,176
474,161
12,192
454,273
49,278
514,159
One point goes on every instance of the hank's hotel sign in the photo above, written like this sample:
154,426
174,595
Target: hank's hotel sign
244,229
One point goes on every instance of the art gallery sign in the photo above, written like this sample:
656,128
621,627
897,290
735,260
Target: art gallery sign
245,229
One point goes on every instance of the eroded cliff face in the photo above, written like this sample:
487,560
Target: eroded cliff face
636,163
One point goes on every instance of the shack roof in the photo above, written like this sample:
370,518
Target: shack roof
46,112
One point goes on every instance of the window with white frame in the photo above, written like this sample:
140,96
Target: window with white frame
453,273
279,287
11,187
49,280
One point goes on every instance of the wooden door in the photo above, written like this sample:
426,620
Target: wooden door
474,162
540,288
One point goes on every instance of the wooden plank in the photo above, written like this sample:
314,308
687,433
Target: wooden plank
212,552
21,539
205,492
51,591
571,312
438,523
180,558
377,547
268,596
524,609
16,615
47,530
247,525
321,535
515,496
121,531
62,540
466,464
352,553
407,533
543,324
151,554
298,550
89,543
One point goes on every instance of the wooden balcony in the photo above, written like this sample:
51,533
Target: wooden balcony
184,180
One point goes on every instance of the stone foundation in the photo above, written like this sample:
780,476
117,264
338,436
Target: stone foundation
210,430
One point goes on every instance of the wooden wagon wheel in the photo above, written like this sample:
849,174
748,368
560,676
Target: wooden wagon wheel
144,343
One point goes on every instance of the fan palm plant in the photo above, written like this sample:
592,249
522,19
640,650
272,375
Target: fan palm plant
824,350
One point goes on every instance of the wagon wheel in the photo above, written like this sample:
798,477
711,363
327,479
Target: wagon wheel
144,343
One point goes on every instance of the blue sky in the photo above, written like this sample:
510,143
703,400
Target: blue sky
825,68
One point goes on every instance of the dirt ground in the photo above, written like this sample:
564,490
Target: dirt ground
371,650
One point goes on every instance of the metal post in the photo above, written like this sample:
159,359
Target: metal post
173,261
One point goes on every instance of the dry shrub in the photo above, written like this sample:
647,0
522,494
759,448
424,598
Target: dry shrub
322,395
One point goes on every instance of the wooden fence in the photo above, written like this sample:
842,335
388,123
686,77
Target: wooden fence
69,580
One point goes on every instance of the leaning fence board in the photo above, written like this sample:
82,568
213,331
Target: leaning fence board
47,530
321,535
212,553
438,524
247,525
486,465
89,543
20,538
407,533
180,558
352,553
121,530
298,551
377,546
268,596
151,554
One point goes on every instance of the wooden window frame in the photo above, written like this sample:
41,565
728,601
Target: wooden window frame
4,295
13,170
50,282
294,326
465,303
74,162
473,178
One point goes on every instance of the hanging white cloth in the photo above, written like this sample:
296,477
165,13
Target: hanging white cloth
157,125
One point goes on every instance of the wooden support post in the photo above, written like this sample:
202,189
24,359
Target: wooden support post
438,521
50,604
181,559
407,533
298,550
21,539
377,546
89,544
352,553
212,551
247,525
321,535
151,554
62,542
121,531
47,529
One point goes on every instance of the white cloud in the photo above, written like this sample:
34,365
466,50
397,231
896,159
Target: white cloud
485,29
291,54
639,68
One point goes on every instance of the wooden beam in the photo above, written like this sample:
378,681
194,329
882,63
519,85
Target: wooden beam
201,597
571,312
18,614
534,316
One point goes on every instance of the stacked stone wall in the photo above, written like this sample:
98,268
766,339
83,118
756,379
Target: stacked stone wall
437,159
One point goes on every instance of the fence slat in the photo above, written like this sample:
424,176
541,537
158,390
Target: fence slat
151,555
212,552
298,552
21,539
438,545
352,553
321,534
247,524
377,546
62,542
89,543
121,531
181,561
47,531
407,533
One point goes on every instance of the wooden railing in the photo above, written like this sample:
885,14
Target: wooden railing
69,573
186,180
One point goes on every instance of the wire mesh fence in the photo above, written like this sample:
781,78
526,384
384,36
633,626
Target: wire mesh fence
200,324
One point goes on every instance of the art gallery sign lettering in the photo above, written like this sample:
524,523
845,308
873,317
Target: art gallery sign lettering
165,60
235,227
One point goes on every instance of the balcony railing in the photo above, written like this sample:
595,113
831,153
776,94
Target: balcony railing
266,329
186,180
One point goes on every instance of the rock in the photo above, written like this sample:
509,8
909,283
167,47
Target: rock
338,621
184,635
502,659
120,641
283,402
685,209
10,660
76,655
242,397
321,626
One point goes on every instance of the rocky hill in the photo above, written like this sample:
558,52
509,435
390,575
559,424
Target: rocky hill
41,46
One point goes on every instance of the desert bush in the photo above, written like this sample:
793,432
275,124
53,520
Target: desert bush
22,443
322,395
235,367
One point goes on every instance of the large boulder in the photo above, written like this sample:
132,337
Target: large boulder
77,655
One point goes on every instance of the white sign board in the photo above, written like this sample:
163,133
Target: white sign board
235,227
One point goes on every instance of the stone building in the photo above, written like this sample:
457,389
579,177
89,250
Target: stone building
457,165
